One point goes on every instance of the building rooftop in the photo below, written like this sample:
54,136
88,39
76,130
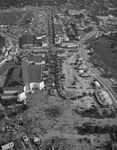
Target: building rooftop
36,59
17,88
16,73
35,73
26,39
7,146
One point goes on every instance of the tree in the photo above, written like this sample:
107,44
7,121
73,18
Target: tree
107,129
2,111
113,128
112,114
105,113
113,45
67,12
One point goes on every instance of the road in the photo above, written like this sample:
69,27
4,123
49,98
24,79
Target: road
12,37
22,18
94,71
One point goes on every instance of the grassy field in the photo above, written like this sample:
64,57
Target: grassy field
102,48
10,18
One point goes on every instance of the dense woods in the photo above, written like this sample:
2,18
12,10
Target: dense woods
19,3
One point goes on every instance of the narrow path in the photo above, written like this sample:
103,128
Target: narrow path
21,18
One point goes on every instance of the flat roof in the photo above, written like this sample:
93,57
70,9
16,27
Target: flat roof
16,73
26,39
35,73
7,146
37,59
19,88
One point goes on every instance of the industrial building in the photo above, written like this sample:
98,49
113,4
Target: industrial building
32,75
24,78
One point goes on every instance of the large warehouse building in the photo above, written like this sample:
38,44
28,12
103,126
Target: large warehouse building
24,77
32,75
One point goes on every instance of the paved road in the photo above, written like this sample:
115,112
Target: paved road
105,82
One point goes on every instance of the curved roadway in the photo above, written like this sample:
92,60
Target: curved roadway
105,82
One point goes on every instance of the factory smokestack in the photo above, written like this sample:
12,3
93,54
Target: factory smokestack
25,73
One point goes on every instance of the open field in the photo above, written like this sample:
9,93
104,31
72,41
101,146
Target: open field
102,48
10,18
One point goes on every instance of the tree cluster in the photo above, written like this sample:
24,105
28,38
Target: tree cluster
94,113
87,128
21,3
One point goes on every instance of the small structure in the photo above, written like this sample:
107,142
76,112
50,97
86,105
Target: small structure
97,85
8,96
12,90
68,44
22,97
7,146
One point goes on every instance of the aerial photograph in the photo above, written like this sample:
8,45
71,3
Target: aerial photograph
58,74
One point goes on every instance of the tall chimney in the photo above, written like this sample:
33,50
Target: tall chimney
25,73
